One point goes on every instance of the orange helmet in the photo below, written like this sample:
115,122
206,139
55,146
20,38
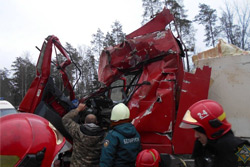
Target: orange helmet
209,115
28,140
148,157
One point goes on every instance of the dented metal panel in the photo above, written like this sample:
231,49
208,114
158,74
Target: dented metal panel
155,55
147,70
156,24
133,54
194,88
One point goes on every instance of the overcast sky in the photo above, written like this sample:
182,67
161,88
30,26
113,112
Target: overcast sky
26,23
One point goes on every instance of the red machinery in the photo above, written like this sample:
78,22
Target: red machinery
43,98
43,82
145,72
155,87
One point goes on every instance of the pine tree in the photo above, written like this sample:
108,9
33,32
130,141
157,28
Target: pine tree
208,18
93,76
6,87
81,88
24,74
72,69
151,7
117,33
97,42
89,77
109,40
183,27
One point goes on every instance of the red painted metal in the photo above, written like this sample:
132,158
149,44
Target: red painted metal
26,133
131,54
155,108
194,88
156,24
35,92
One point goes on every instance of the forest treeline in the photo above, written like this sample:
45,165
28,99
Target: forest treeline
231,23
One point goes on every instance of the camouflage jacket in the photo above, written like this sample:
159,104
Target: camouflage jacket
87,141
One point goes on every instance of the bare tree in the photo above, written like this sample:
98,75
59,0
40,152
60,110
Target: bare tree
243,13
227,27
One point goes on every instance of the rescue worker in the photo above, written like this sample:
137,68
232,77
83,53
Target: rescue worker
87,138
152,158
28,140
148,158
216,145
122,143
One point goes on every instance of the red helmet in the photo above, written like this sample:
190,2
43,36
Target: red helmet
209,115
148,157
28,140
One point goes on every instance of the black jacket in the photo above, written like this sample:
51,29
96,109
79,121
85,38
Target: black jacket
220,152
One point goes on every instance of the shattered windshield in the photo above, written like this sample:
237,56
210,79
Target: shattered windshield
123,88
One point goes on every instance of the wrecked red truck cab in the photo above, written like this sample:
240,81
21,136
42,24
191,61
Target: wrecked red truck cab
145,72
156,88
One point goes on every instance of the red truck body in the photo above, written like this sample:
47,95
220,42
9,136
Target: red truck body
148,70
